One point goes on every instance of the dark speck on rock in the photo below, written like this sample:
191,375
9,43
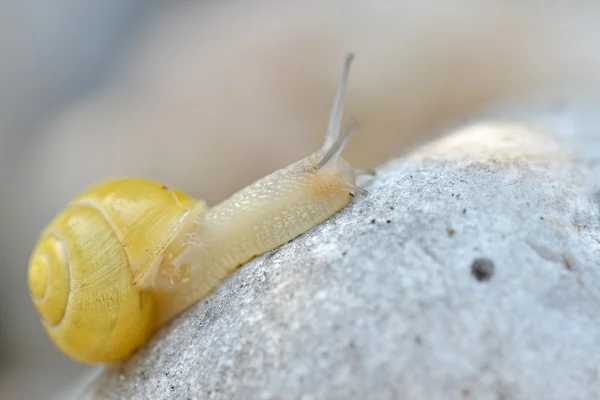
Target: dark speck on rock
482,269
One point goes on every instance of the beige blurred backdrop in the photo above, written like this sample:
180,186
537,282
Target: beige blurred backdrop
208,96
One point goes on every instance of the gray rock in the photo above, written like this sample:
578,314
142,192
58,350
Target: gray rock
470,271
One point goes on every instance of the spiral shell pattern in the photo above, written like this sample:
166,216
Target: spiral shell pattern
83,270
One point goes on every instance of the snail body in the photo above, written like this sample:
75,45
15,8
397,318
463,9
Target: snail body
127,255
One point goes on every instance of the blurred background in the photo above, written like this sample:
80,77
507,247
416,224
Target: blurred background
209,96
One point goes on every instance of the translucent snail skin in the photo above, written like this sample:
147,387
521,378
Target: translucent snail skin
125,256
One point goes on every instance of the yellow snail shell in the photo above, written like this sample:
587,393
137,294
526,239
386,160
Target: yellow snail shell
82,270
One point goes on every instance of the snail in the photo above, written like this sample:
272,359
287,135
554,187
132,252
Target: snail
127,255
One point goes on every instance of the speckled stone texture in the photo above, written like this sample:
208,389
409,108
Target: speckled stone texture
470,271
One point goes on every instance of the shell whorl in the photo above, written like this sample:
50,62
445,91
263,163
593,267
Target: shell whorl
50,280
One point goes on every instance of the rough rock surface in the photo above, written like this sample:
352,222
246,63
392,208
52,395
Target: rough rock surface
470,271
